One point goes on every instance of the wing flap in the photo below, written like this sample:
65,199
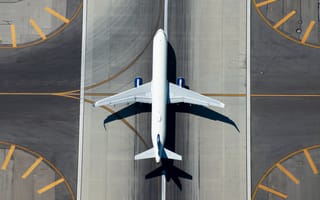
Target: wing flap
182,95
140,94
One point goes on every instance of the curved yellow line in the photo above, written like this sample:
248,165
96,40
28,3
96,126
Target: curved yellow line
123,120
125,68
37,155
112,112
267,173
51,35
280,32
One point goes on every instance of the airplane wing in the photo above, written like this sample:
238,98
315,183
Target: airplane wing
140,94
182,95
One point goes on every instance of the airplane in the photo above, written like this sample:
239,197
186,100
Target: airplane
159,92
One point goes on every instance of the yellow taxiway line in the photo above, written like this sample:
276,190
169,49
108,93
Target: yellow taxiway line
310,161
56,14
264,3
37,29
308,31
110,94
284,19
50,186
8,157
31,168
71,93
285,95
289,174
273,191
13,35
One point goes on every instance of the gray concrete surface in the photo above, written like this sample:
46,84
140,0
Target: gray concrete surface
305,11
20,12
17,188
209,42
300,168
281,125
44,123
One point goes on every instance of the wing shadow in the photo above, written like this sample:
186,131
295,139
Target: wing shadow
204,112
131,110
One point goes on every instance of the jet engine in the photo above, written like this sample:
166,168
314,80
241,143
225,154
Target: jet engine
138,81
181,82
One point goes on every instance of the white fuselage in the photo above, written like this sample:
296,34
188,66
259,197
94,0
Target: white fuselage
159,91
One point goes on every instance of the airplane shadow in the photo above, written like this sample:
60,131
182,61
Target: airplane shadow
167,167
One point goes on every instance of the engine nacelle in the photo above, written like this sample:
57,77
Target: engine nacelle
181,82
138,81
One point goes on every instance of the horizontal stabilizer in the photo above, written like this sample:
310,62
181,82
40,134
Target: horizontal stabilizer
172,155
145,155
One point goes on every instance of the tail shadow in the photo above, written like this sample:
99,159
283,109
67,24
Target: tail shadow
170,171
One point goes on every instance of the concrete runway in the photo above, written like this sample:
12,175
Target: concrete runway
209,43
281,125
46,123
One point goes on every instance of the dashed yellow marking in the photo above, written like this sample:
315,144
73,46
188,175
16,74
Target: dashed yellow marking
56,14
37,29
289,174
8,157
273,191
310,161
284,19
50,186
31,168
264,3
13,36
308,31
